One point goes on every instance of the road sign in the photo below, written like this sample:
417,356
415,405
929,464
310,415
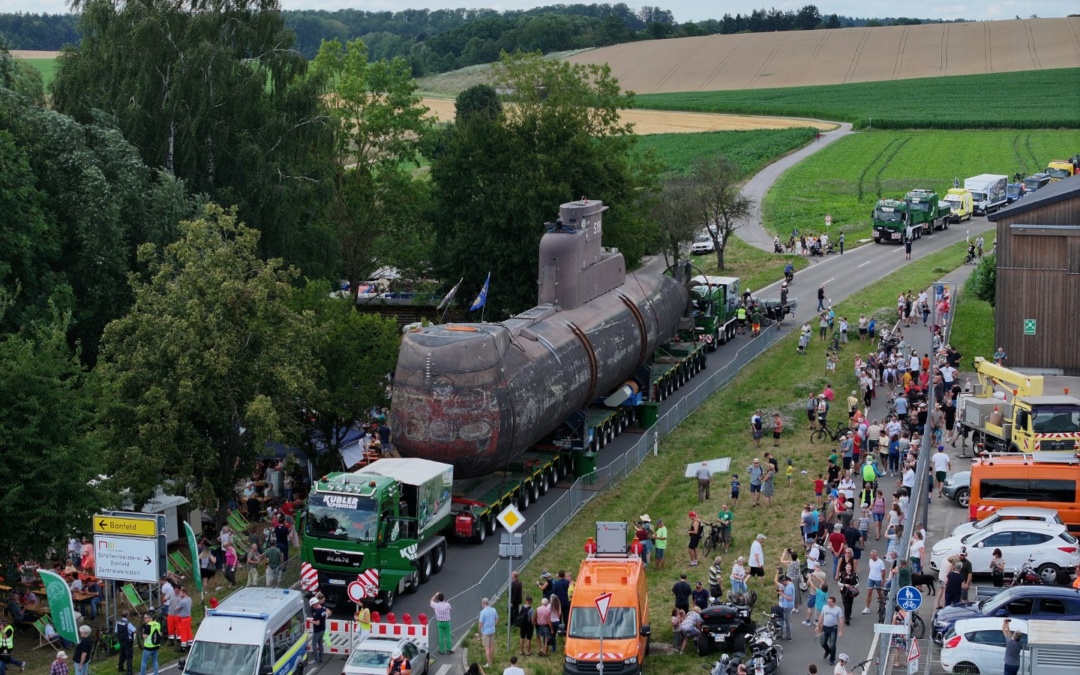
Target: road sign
356,591
126,558
891,628
909,598
510,546
828,219
1029,326
913,667
129,526
510,518
913,652
602,602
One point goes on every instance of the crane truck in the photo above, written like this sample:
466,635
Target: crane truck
492,415
1009,412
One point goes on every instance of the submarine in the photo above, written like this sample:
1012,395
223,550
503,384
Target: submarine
478,395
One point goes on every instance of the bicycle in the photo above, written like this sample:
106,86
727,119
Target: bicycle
819,435
105,644
713,539
918,626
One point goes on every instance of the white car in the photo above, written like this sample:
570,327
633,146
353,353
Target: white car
703,244
371,656
1049,545
977,646
1033,513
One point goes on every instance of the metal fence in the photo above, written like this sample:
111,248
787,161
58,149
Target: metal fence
545,526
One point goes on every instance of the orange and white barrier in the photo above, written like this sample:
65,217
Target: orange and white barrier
341,634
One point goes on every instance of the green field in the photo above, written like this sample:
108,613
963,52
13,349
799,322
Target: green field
750,150
848,177
1046,99
47,68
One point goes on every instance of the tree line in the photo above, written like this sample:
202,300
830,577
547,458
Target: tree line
175,227
433,41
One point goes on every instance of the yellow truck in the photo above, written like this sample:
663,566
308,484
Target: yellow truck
1060,168
962,204
1009,412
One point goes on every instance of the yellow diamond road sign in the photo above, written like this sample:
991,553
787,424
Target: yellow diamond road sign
132,527
511,518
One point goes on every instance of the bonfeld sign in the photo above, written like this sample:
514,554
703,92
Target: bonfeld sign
126,558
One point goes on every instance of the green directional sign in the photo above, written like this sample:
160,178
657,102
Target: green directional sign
1029,326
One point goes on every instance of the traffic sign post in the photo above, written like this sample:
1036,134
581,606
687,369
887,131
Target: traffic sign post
602,604
510,547
909,598
126,558
913,656
510,518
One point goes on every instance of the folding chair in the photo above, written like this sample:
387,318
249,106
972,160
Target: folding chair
53,642
237,521
179,562
133,597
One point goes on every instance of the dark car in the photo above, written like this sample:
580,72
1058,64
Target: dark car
1053,603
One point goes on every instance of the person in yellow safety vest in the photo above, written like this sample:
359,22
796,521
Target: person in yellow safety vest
7,645
399,665
740,314
152,639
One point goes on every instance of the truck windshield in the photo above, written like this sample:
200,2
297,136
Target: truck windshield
1058,173
621,623
919,206
217,658
979,196
342,517
1055,419
888,216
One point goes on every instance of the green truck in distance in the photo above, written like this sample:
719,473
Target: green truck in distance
389,515
714,301
920,212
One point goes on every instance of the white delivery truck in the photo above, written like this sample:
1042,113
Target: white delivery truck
988,192
255,631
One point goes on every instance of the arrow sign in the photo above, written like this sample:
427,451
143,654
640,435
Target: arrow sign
148,560
131,525
602,602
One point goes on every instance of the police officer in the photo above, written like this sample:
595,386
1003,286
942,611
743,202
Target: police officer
151,641
7,645
125,637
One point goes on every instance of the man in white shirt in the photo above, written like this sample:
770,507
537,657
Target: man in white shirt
914,364
942,467
513,668
757,557
948,375
909,477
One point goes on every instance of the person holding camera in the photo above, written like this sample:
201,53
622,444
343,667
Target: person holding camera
1013,647
785,589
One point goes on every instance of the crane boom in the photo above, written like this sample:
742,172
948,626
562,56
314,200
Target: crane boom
1018,384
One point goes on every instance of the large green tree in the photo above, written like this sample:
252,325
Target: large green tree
497,179
210,363
211,91
49,460
378,125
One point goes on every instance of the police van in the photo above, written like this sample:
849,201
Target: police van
255,631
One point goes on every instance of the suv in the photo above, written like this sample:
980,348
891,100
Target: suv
1052,603
958,488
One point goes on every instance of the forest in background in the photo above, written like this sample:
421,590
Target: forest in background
435,41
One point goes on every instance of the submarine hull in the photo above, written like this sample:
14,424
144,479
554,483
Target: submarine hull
479,395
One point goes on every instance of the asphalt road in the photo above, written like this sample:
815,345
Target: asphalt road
841,276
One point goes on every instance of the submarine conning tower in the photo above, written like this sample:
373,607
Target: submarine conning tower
574,269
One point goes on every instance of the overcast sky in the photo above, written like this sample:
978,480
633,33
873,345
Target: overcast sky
684,10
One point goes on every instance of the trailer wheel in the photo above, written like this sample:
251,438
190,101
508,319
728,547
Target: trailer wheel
438,558
492,525
555,473
423,567
715,340
544,484
480,532
523,498
535,491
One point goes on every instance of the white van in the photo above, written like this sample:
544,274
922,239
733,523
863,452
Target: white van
255,631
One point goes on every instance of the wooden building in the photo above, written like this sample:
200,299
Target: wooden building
1038,279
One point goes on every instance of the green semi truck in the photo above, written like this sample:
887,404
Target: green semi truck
890,218
920,210
714,303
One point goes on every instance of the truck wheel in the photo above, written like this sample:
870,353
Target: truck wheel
424,568
388,601
480,533
715,340
438,558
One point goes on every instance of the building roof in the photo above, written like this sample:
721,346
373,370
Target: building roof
1067,188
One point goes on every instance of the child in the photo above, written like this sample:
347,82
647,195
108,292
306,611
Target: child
790,472
735,490
777,429
819,488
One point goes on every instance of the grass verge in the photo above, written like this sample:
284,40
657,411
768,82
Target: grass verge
754,267
973,327
1046,99
776,381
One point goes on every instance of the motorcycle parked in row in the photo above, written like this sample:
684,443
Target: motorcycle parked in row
726,623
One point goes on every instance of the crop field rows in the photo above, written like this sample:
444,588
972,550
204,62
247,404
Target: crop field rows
845,179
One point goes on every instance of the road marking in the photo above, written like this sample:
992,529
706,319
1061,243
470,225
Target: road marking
443,669
866,263
828,281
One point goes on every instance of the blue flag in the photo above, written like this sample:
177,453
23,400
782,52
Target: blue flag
481,299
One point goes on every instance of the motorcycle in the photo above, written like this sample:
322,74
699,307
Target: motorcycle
765,652
727,665
1028,575
727,623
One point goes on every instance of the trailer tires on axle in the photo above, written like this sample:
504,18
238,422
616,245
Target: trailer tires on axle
423,568
438,558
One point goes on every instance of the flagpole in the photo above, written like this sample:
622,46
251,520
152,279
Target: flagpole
448,299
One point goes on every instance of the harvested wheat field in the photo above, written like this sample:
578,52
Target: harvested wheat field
31,54
663,122
840,56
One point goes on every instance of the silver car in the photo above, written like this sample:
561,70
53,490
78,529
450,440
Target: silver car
958,488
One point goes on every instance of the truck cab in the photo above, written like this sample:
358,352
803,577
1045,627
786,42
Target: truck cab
890,218
713,301
387,517
1060,168
962,204
626,631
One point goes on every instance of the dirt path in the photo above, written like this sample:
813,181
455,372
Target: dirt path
665,122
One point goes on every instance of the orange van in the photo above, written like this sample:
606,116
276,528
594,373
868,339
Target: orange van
626,631
1048,479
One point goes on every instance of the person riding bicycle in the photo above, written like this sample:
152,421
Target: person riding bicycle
789,271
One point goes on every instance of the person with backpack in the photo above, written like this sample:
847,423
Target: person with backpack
526,622
151,642
125,639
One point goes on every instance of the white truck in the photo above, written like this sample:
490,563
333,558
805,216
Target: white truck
988,192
